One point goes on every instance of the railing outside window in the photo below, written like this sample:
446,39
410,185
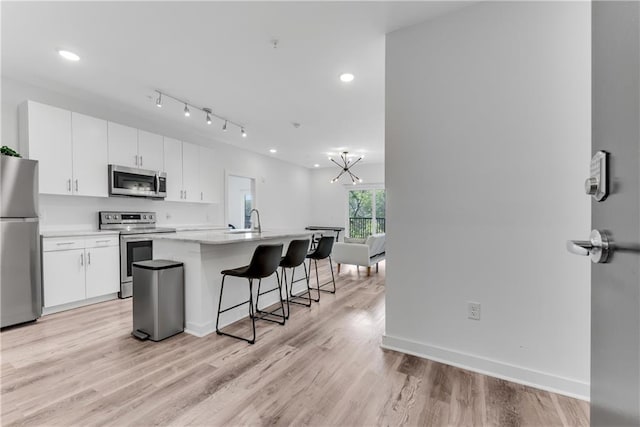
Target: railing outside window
361,228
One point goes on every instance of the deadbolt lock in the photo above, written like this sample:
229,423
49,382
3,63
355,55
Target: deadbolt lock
597,185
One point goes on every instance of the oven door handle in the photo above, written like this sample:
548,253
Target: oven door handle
135,238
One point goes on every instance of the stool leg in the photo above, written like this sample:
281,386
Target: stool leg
220,305
251,312
286,293
317,278
333,279
285,315
258,296
307,279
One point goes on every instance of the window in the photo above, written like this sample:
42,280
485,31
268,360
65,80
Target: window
367,212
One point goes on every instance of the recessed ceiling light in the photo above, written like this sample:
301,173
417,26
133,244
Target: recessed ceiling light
69,55
316,165
346,77
273,150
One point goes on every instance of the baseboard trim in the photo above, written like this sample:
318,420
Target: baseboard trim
494,368
77,304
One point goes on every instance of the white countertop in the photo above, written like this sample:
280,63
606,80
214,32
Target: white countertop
73,233
217,237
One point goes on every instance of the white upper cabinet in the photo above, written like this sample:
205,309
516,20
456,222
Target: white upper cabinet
123,145
90,154
74,151
45,134
150,151
190,172
173,168
210,176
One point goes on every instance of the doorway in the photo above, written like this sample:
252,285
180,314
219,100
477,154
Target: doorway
240,200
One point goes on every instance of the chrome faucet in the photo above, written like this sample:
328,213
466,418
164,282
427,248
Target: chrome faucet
258,215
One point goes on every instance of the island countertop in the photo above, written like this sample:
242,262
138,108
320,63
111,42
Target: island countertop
219,237
205,254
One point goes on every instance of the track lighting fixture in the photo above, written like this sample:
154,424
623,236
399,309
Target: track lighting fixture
209,114
346,166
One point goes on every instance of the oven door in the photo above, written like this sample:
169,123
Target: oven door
133,248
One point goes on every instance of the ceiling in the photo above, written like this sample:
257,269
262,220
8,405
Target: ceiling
220,55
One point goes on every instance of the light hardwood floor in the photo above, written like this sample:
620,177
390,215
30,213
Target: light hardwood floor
325,367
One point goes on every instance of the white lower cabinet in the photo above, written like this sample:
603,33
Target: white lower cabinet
79,268
63,274
102,278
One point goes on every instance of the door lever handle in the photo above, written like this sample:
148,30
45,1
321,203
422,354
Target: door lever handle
579,247
598,247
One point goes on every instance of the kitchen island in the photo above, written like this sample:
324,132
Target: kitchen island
205,254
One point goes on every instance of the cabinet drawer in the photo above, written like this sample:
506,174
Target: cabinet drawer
62,244
100,241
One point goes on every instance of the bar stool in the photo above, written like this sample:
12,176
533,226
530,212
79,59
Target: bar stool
264,262
322,251
296,254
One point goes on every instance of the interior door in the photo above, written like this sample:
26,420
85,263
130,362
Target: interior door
615,285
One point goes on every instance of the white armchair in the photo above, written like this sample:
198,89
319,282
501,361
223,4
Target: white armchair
360,252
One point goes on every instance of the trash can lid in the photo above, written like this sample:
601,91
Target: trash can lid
157,264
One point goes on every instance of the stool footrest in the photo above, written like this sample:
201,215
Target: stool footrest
234,306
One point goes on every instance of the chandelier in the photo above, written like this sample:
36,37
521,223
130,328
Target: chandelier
346,166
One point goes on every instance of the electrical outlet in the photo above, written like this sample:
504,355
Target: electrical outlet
473,310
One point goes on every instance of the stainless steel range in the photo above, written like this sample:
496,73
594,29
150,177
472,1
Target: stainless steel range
136,244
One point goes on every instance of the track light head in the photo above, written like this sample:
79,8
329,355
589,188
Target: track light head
243,133
187,113
159,100
208,111
224,126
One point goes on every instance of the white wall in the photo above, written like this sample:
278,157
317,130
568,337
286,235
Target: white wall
487,148
276,181
329,202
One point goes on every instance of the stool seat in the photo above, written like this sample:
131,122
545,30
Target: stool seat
295,257
264,263
237,272
322,251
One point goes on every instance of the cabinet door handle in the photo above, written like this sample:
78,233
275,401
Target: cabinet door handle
76,185
88,258
69,185
64,243
102,241
201,196
136,160
81,259
140,160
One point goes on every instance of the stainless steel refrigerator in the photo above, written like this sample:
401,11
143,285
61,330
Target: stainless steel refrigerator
20,277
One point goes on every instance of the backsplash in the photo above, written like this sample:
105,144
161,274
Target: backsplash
74,212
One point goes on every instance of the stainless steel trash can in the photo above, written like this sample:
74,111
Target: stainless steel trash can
158,299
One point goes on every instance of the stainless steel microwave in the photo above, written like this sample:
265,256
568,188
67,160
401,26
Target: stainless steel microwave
133,182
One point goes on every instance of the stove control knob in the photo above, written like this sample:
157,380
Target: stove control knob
144,217
115,217
150,216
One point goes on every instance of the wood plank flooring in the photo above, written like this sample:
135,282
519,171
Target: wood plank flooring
325,367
